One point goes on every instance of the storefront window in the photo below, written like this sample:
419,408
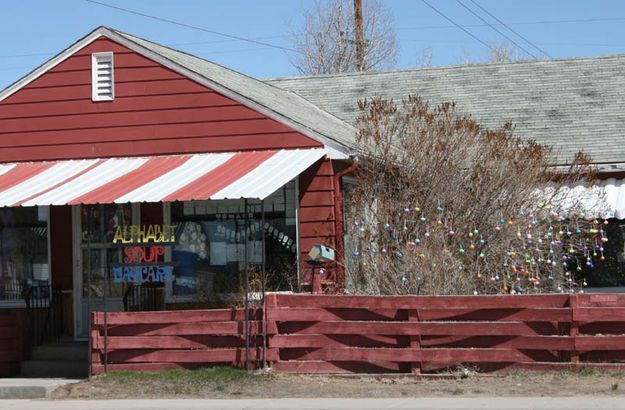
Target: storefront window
99,255
209,255
23,251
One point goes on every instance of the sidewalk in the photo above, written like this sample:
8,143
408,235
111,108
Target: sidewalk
504,403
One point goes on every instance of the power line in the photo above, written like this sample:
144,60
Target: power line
451,21
262,43
506,26
494,28
519,23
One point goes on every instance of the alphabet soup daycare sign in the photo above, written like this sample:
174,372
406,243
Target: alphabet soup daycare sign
143,245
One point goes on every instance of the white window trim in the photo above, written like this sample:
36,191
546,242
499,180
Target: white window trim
95,94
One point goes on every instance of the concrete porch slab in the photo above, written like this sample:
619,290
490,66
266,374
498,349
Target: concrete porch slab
20,388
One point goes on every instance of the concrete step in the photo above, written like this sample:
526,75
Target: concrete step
75,369
62,351
13,388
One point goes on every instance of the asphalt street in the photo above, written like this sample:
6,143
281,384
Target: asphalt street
504,403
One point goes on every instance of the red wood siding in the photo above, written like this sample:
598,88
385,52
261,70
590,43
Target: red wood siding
155,111
316,216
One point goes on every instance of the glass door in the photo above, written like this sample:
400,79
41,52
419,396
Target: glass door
95,256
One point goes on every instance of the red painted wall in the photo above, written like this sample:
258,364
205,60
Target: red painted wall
155,111
316,215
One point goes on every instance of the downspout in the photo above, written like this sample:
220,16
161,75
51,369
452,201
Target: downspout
338,225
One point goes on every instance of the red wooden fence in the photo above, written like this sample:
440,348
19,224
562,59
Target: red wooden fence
361,334
174,339
11,343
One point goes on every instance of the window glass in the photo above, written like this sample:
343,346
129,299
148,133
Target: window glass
98,226
23,251
209,254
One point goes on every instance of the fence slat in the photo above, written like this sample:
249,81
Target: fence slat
418,302
421,328
178,316
599,314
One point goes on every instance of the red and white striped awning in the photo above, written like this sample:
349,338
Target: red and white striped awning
254,174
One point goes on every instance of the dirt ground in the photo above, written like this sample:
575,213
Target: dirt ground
272,385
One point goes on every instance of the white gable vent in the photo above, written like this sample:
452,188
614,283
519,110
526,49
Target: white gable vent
102,80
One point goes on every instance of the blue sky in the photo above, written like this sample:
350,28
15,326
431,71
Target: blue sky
35,30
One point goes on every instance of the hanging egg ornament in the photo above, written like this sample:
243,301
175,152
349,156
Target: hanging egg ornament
482,255
439,209
461,250
422,219
452,233
387,225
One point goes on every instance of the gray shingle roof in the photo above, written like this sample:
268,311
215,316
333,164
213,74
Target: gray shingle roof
284,103
571,104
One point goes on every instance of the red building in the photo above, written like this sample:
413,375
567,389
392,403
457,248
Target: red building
139,172
120,156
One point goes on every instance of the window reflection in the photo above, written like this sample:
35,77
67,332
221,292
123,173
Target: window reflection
23,251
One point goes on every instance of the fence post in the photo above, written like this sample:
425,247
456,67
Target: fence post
415,341
574,329
269,325
94,336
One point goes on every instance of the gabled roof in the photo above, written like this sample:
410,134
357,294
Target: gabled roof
571,104
283,106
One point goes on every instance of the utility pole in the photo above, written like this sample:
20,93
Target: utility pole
360,36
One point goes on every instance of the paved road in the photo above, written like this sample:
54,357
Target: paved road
504,403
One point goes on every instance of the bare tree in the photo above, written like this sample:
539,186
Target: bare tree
424,60
445,206
498,53
327,42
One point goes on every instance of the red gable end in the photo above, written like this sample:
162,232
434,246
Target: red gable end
155,111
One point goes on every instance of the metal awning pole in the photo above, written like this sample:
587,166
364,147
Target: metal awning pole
247,291
262,278
106,270
88,210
